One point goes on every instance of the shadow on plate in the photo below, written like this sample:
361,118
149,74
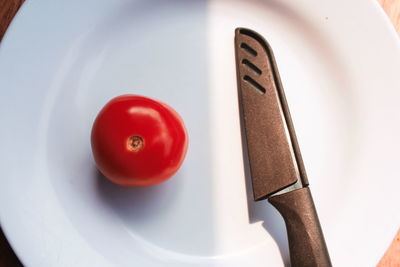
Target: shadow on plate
263,211
136,203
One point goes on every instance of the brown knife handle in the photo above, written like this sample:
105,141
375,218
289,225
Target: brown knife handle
306,241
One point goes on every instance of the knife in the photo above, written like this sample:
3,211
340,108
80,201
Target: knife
276,166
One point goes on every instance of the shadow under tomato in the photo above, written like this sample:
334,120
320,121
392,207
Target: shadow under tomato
162,214
137,204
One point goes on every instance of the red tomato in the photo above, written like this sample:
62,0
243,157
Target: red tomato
138,141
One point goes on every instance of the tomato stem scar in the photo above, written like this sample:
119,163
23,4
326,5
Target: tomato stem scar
135,143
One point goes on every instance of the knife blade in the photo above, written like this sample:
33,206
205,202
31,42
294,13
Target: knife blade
276,166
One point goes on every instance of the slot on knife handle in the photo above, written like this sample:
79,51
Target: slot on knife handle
306,241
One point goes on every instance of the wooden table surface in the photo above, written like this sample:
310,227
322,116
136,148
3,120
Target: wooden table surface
8,8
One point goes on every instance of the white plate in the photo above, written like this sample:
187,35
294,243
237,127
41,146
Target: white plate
61,61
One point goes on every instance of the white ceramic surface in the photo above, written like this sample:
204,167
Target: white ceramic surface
60,62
